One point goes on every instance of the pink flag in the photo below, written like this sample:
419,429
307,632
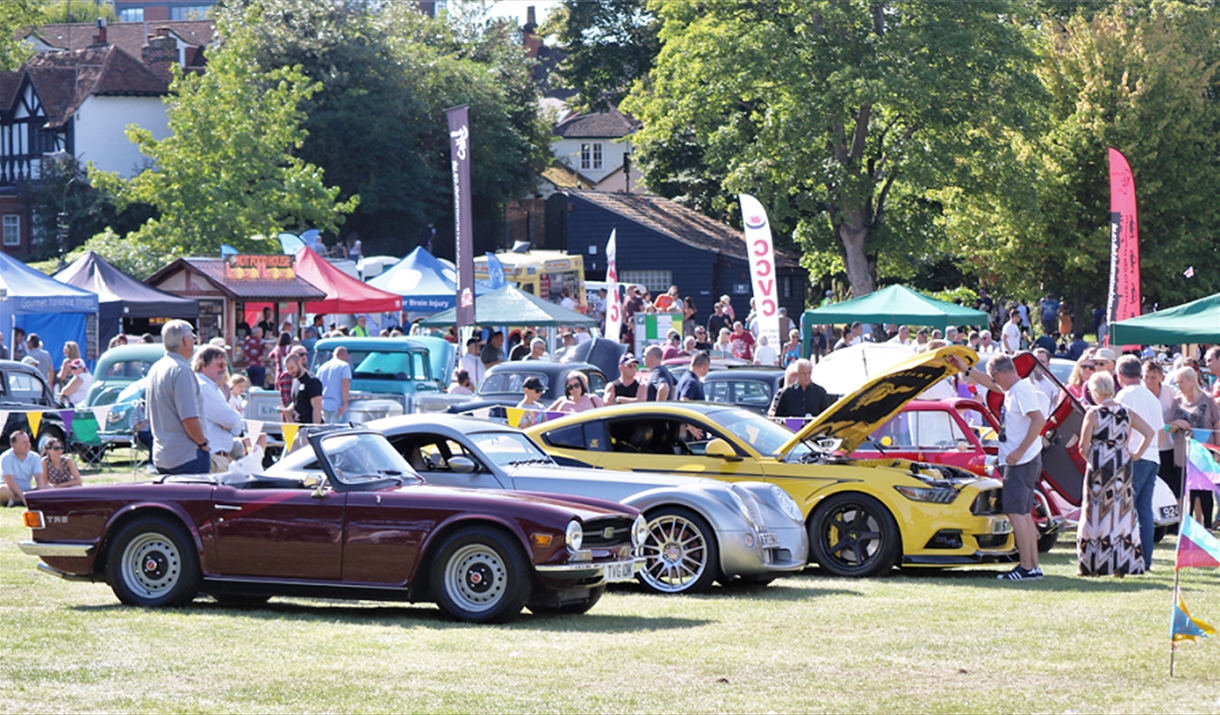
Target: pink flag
1124,242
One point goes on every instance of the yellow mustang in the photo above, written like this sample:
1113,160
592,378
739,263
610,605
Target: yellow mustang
863,516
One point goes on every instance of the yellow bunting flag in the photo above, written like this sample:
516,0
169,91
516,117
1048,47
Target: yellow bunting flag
35,420
514,416
290,435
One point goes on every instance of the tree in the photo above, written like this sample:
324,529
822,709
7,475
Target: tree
376,125
226,174
16,18
1142,81
77,11
840,115
609,45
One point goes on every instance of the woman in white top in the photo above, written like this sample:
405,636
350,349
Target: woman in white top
78,383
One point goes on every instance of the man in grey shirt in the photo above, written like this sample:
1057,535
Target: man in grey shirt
336,377
21,470
34,350
173,404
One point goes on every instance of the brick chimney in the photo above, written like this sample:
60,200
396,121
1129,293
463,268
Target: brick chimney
100,37
528,37
160,53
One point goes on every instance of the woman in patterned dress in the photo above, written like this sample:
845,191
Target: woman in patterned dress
1108,539
60,471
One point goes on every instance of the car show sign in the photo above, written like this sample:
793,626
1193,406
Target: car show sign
459,160
614,306
762,269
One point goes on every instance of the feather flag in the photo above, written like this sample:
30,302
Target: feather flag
1196,547
1187,627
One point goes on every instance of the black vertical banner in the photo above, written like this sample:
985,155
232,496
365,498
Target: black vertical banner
459,155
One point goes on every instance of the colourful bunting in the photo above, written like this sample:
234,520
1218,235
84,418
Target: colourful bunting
1196,547
100,414
290,434
1186,627
67,416
1202,469
35,420
514,416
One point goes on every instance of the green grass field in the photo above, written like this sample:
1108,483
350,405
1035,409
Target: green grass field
919,641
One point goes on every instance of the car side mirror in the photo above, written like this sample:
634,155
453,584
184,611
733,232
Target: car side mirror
462,465
720,448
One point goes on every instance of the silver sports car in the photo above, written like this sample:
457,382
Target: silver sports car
700,530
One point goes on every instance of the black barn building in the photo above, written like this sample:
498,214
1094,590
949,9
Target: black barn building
661,243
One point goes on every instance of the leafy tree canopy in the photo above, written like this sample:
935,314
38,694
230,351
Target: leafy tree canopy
227,172
839,115
73,11
16,18
609,45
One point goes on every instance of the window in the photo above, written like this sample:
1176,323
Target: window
24,387
12,230
656,281
591,155
190,12
921,430
132,14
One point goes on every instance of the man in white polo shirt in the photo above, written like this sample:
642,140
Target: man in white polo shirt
1140,400
1020,455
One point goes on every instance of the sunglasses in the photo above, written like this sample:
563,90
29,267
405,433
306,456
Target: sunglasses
575,386
1088,367
56,447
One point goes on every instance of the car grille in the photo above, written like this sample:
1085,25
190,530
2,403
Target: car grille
986,503
607,532
991,541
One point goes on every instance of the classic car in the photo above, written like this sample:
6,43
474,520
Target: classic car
23,389
750,387
699,530
359,523
501,386
119,367
863,516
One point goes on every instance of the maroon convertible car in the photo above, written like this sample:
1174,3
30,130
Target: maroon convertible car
358,524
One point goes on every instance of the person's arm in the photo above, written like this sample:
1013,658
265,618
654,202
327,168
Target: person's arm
194,430
662,391
316,403
1036,422
40,477
608,395
1145,430
75,481
11,483
347,384
775,402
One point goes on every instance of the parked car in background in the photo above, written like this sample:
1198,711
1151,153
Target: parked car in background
863,517
357,524
699,530
119,367
22,390
750,387
501,386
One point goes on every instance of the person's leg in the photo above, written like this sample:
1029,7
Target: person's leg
1143,482
1207,504
1017,500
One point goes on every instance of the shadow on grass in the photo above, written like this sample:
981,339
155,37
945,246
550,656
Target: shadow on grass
785,589
355,614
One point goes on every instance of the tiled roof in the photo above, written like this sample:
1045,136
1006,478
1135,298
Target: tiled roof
679,223
130,36
610,124
214,269
563,177
64,80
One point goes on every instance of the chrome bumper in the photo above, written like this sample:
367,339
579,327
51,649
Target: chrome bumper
56,550
587,567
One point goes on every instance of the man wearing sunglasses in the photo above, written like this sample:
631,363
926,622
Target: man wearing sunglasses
626,388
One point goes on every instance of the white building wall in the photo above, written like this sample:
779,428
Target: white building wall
568,151
101,126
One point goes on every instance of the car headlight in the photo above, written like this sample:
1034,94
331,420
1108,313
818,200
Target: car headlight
639,531
574,536
936,495
786,503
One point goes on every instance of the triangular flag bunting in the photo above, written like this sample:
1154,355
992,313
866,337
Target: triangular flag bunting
1202,469
3,417
1196,547
1186,627
67,416
794,423
253,429
290,435
555,415
100,414
514,416
35,420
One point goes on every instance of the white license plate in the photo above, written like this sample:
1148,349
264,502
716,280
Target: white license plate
1001,526
1169,512
768,540
621,571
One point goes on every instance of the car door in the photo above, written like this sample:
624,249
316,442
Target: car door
279,533
428,454
669,443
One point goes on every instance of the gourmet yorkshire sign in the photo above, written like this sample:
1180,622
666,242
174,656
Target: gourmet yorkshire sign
762,269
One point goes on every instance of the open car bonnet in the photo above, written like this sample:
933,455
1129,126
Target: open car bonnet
854,417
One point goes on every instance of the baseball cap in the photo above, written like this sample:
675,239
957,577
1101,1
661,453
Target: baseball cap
533,383
626,358
220,343
77,363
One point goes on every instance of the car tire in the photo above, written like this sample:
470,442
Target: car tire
595,595
153,563
479,576
1046,542
1159,533
853,535
681,552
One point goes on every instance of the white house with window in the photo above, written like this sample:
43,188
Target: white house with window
597,148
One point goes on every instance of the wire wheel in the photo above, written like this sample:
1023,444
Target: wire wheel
680,553
151,565
476,578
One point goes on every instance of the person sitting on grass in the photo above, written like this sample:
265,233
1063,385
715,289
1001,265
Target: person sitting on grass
60,471
21,470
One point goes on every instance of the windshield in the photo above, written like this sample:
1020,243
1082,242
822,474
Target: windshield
759,432
127,369
509,449
382,365
358,458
